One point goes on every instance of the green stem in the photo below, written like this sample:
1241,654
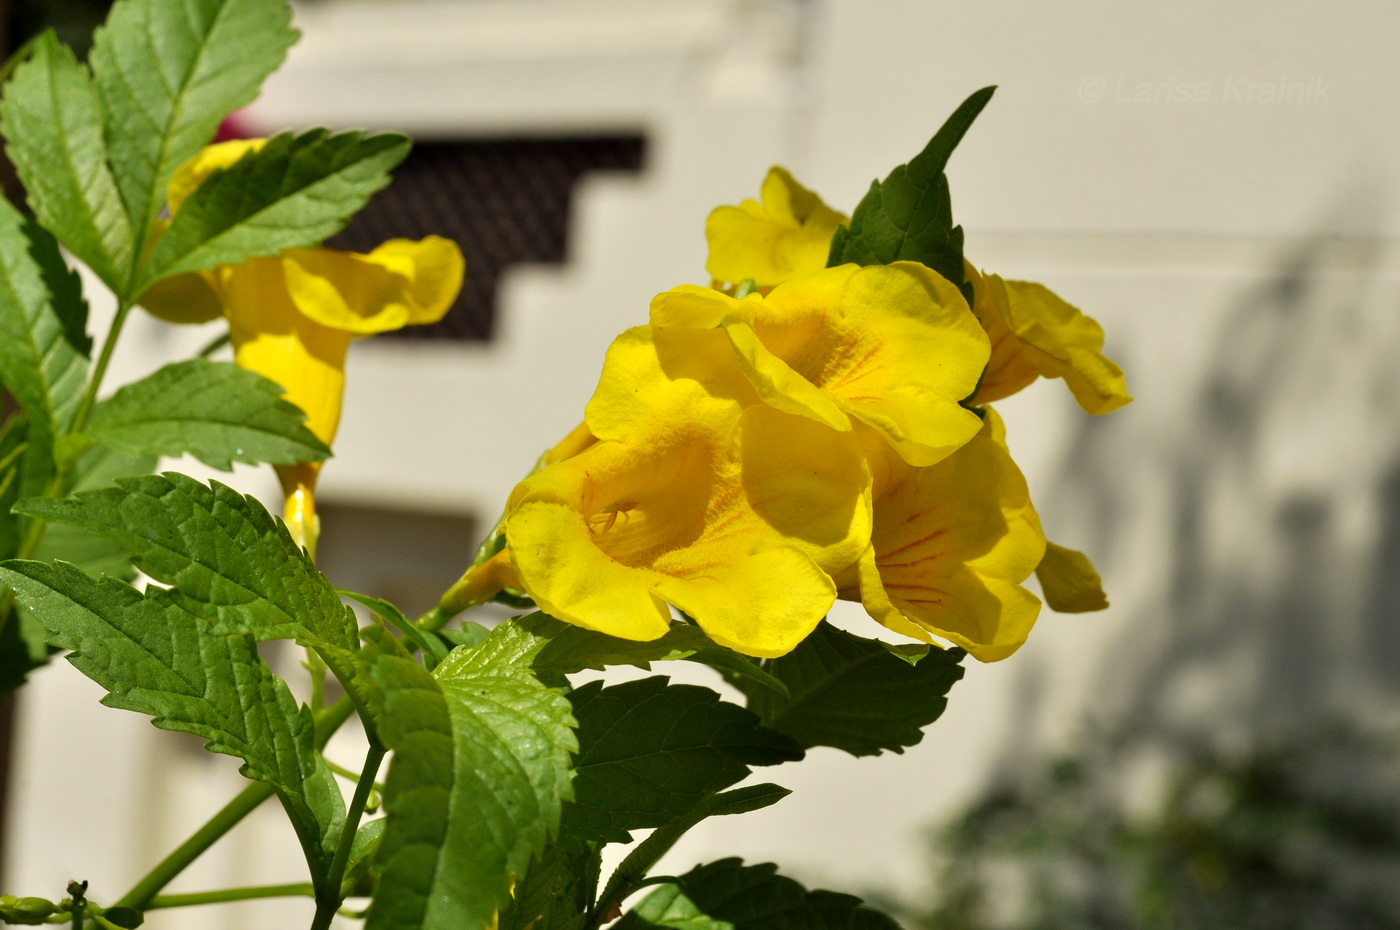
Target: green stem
215,344
194,899
139,897
631,874
328,898
80,419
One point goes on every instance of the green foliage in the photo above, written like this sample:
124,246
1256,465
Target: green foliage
53,124
728,895
479,776
155,658
550,646
859,695
43,349
909,216
292,193
168,71
215,411
230,562
650,752
94,554
557,889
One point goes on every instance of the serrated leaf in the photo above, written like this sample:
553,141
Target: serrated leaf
228,561
909,216
556,890
728,895
651,752
549,645
94,554
859,695
479,775
168,72
216,411
52,120
291,193
155,658
43,348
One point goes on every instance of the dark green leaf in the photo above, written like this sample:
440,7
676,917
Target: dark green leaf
652,752
728,894
860,695
155,658
52,120
168,71
292,193
479,775
549,645
23,645
43,349
216,411
909,216
556,889
229,562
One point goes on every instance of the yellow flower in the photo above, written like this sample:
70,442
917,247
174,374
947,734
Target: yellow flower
696,495
291,317
787,234
891,346
1036,334
951,544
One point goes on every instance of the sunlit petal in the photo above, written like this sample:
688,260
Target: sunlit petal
788,233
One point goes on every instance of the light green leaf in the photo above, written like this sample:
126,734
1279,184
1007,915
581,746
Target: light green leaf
43,348
215,411
728,895
859,695
53,125
168,71
292,193
479,775
229,562
155,658
651,752
909,216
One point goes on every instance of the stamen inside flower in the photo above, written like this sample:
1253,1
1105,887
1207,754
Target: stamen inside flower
604,520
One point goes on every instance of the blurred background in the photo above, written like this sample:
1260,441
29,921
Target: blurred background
1215,182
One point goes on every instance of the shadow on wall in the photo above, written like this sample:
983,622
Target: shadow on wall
1242,764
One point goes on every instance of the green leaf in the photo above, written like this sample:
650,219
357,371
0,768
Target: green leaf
53,125
94,554
434,649
859,695
479,775
292,193
155,658
43,349
728,895
651,752
215,411
909,216
556,889
23,646
229,562
168,72
548,645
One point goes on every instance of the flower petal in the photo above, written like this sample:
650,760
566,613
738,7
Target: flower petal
951,544
1066,344
270,336
400,283
788,234
1009,369
1069,581
894,346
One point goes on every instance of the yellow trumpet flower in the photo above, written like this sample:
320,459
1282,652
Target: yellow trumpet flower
291,317
951,544
788,233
